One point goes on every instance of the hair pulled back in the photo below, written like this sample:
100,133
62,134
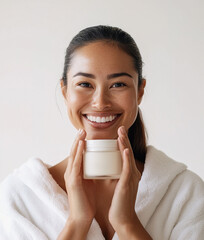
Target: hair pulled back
125,42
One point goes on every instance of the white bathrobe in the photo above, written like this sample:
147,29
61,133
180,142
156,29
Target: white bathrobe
169,204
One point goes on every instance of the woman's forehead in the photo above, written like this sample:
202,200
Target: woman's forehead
100,56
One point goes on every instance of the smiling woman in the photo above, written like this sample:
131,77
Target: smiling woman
155,197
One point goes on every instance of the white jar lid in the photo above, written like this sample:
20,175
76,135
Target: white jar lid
102,145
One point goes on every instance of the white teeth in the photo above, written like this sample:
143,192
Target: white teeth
101,119
98,119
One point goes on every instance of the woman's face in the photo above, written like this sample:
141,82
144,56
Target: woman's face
102,93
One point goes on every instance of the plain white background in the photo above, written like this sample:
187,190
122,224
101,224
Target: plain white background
34,37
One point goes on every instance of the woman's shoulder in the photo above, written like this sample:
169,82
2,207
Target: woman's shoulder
169,188
21,176
189,184
163,169
26,197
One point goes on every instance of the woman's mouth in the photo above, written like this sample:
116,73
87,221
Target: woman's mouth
102,121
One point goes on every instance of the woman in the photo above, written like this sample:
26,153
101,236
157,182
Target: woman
155,197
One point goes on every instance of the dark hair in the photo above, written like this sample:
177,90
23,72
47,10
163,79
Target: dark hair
124,41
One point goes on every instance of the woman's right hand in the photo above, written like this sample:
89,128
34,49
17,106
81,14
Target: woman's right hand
81,192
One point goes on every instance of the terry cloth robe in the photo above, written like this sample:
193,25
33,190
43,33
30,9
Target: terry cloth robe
169,204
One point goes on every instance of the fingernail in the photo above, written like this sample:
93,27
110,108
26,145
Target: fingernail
123,130
80,131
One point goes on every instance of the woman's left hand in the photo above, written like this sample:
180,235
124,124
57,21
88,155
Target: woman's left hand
122,210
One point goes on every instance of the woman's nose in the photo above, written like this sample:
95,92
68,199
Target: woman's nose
101,100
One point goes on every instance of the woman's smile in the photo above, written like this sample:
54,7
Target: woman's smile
101,120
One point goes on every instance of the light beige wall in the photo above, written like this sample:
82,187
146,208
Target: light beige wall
33,38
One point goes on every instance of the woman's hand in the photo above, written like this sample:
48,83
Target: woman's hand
80,192
122,210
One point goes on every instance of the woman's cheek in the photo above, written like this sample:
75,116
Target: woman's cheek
131,105
76,102
129,99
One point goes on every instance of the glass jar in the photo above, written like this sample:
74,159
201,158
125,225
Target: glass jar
102,159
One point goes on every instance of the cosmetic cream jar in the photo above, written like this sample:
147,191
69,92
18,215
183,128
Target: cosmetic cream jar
102,159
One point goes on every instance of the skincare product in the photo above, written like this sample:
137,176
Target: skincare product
102,159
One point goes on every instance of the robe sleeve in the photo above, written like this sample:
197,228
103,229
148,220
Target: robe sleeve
190,221
14,222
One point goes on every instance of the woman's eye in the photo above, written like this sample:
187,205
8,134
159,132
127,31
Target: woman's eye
119,84
84,84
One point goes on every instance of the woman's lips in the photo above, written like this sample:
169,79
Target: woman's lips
97,121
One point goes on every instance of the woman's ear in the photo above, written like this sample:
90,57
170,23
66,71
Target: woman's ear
141,91
64,90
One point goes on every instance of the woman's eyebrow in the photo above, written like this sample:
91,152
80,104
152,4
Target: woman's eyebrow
113,75
88,75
